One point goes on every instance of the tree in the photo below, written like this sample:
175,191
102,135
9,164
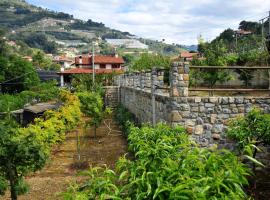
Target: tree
92,106
252,129
147,61
17,74
19,155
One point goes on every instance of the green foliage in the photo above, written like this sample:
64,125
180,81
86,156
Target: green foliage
41,61
124,119
251,129
42,92
40,41
148,61
17,74
19,155
92,106
167,165
84,82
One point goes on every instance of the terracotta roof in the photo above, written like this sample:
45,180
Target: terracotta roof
90,71
186,54
87,60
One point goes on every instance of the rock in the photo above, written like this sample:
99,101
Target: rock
213,99
194,109
189,122
241,109
186,77
198,99
225,100
201,109
231,99
216,136
175,92
207,127
217,128
184,107
226,111
175,116
189,129
198,130
199,120
209,105
239,100
213,118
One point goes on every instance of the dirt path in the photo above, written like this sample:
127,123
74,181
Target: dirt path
60,171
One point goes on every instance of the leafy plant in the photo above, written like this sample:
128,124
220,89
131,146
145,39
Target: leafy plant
251,131
92,106
167,165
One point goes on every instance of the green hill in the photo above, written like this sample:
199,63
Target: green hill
27,22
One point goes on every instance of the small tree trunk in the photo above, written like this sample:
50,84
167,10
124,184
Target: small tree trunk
95,131
12,181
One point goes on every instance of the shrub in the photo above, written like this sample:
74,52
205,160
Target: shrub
167,165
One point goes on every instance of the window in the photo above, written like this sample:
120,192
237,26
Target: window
102,66
115,66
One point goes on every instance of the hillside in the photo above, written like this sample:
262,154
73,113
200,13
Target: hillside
33,24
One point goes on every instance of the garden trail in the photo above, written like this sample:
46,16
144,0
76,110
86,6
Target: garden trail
61,171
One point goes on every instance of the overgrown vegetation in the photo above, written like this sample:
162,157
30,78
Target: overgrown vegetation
167,165
250,132
25,150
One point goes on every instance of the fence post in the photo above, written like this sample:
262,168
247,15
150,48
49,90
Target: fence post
179,79
153,89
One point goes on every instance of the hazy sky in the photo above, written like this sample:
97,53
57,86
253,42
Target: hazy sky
175,21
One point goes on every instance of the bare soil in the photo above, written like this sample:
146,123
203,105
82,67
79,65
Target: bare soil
71,157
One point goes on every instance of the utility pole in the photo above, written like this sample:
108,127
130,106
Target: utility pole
93,62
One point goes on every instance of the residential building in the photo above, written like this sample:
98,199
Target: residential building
84,65
187,56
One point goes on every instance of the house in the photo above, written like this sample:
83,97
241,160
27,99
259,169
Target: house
187,56
64,61
84,65
28,58
242,32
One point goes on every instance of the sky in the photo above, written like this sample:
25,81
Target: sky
176,21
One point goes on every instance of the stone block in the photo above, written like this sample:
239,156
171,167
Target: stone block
239,100
217,128
216,136
184,107
189,129
209,105
213,99
207,127
189,122
197,99
186,77
198,130
231,99
199,120
213,118
175,116
194,109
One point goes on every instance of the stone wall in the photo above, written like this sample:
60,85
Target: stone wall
112,96
139,102
206,119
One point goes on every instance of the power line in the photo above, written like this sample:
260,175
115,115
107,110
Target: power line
16,77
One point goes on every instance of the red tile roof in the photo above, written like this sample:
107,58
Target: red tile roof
90,71
186,54
87,60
